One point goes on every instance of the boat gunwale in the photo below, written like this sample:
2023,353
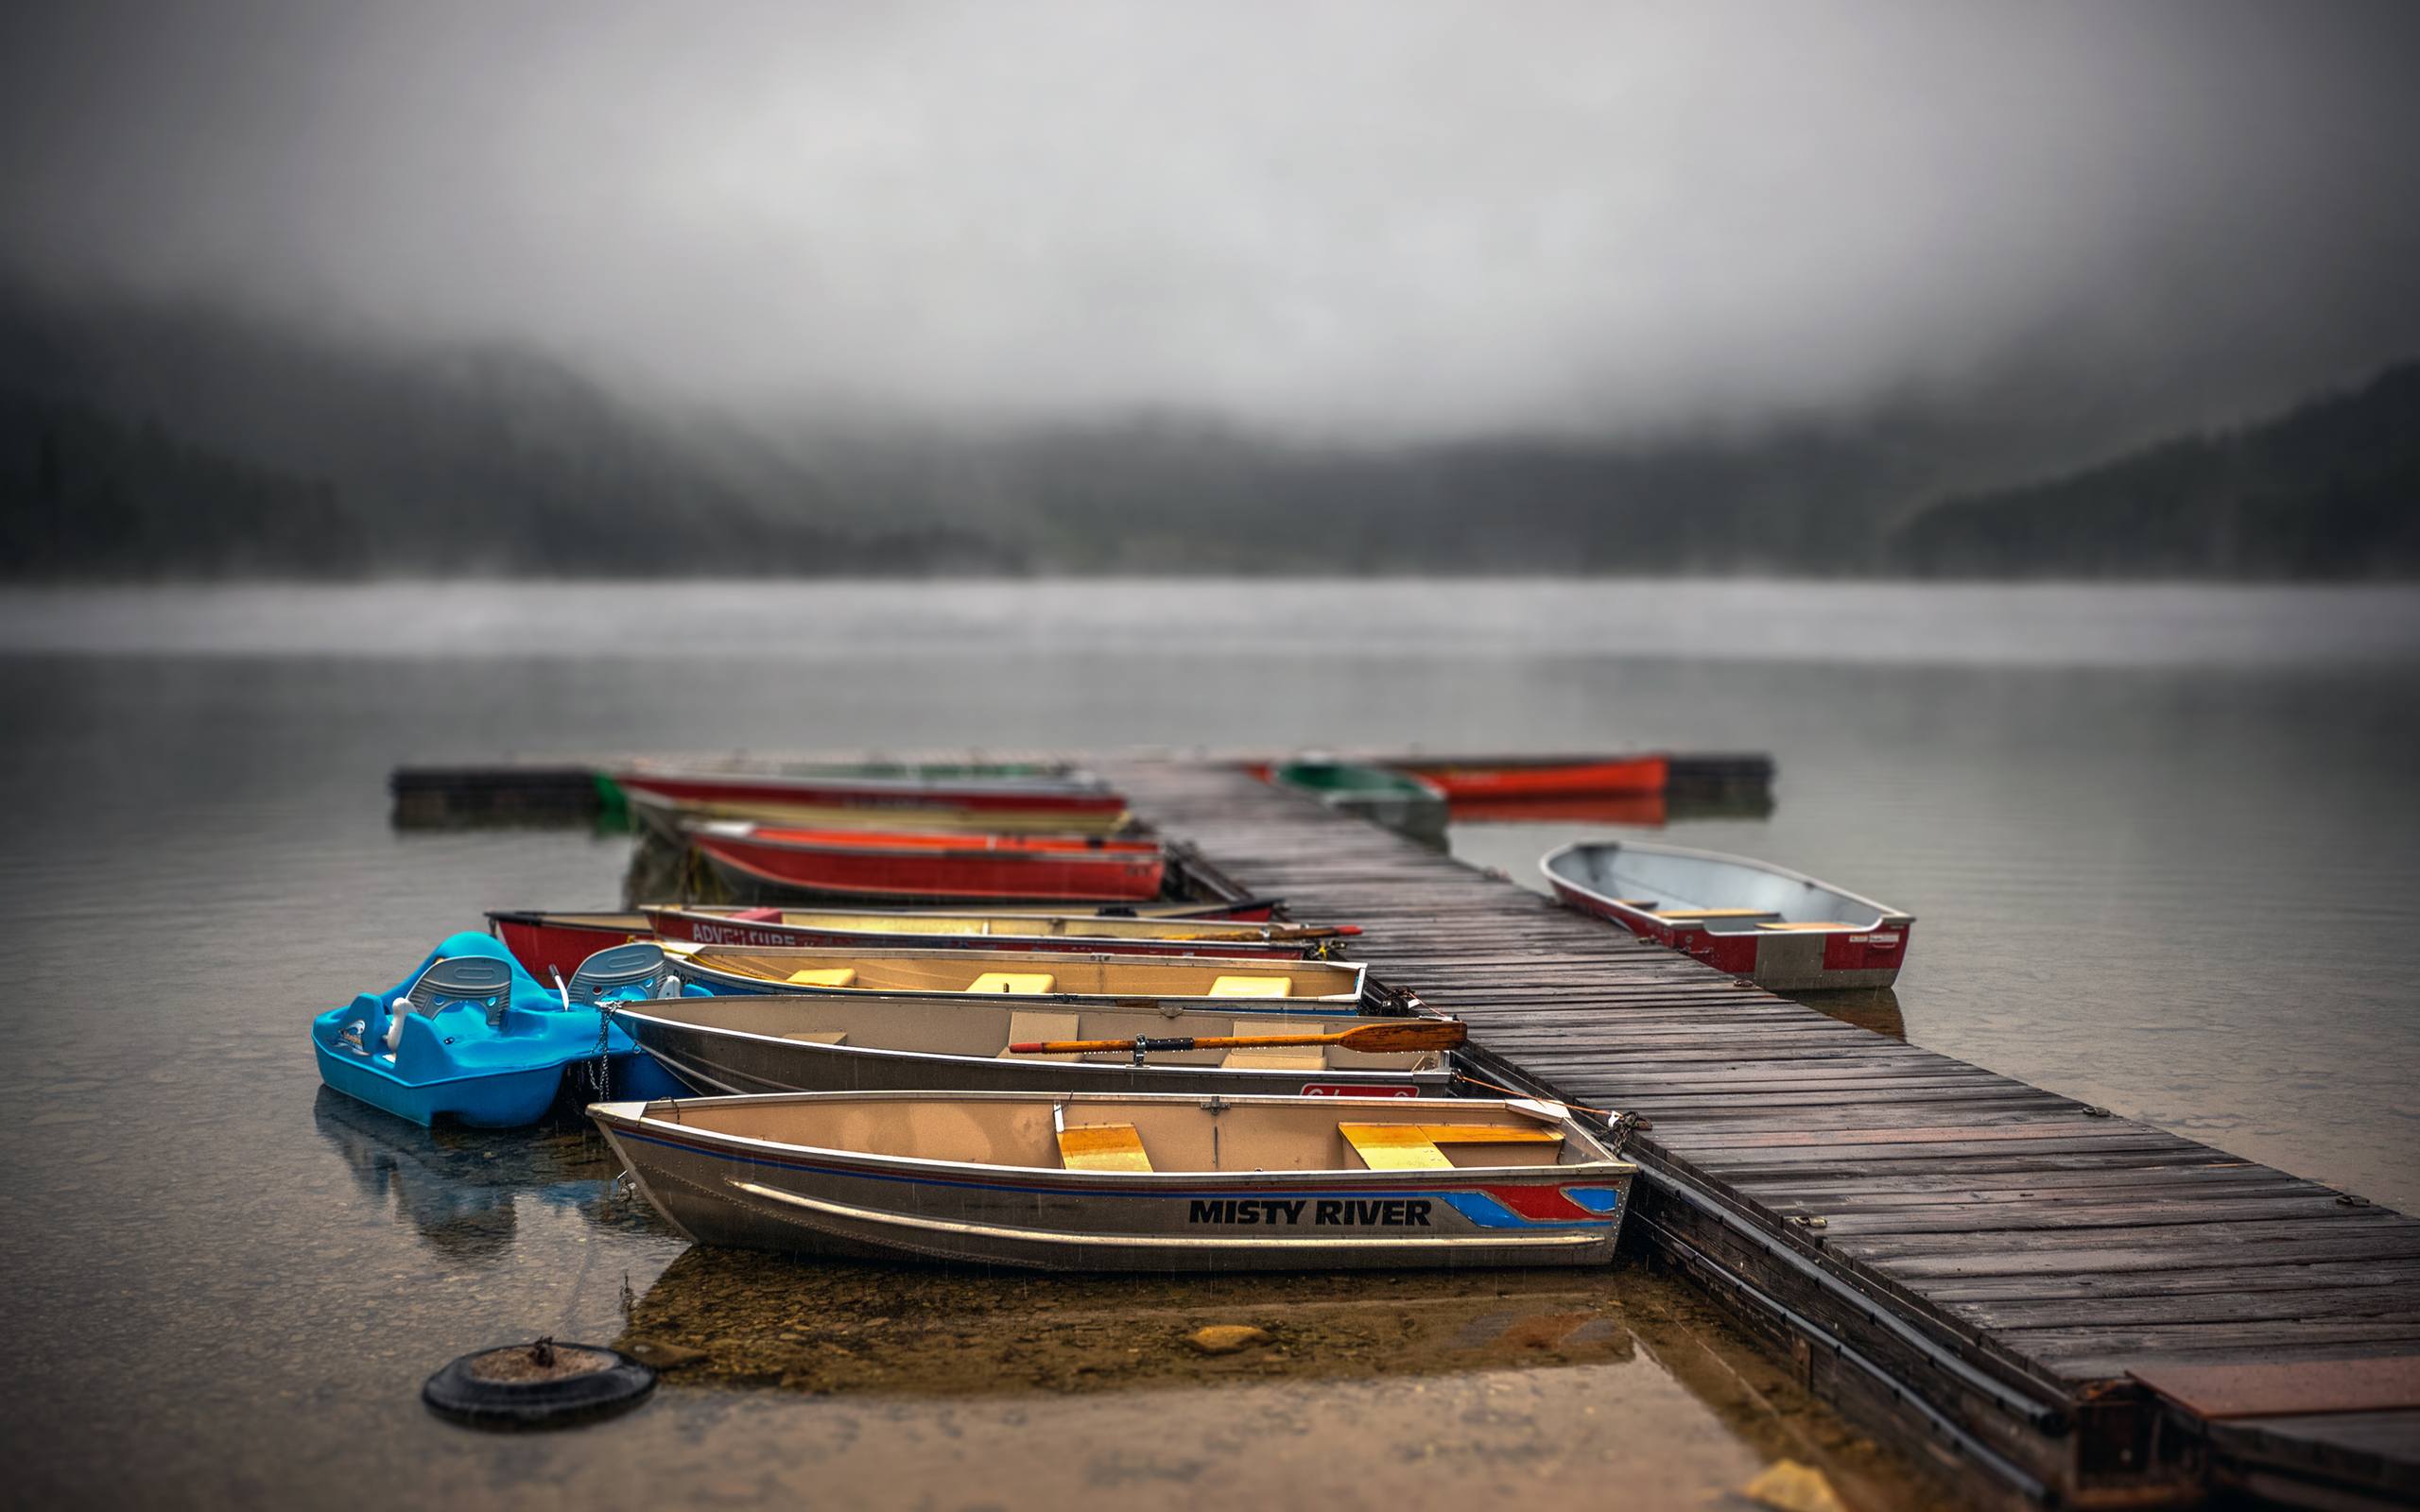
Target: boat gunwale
1889,917
1442,1071
685,952
1265,932
1609,1165
1073,797
1088,848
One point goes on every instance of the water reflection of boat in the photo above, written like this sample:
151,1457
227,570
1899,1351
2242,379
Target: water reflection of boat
1876,1009
1785,931
1379,793
457,1188
846,1327
1131,1181
1645,811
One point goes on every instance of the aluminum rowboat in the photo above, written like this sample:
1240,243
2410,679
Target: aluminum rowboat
829,929
1129,1182
806,1045
1212,983
1785,932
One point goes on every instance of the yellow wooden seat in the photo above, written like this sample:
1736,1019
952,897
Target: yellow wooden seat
1102,1147
1276,1058
1714,913
1414,1146
1030,983
831,976
1815,927
834,1036
1249,987
1026,1026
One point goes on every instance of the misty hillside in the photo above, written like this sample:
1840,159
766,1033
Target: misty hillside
144,440
2329,490
127,428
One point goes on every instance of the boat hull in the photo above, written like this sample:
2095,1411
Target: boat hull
1513,778
871,871
545,944
748,1195
502,1099
721,1063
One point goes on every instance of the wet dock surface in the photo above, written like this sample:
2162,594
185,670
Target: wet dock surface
2010,1276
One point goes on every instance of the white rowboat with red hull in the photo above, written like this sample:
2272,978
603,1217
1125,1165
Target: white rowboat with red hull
558,941
918,864
1786,932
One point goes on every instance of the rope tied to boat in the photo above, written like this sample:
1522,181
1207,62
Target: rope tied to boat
1620,1126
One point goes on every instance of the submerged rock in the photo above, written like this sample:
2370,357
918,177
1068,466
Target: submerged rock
1226,1338
1790,1486
660,1355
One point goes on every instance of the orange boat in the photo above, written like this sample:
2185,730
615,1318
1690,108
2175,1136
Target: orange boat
919,864
1462,779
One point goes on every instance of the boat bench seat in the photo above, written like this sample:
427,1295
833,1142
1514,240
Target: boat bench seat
1717,913
1814,927
833,1037
1102,1147
1026,1026
1251,987
1276,1058
1414,1146
831,976
1030,983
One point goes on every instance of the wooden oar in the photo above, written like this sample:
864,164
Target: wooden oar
1391,1034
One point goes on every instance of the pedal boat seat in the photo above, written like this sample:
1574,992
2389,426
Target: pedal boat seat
475,979
639,963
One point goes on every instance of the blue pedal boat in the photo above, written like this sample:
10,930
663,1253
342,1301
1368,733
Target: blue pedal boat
469,1036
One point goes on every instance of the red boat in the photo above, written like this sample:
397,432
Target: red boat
548,943
1070,803
1540,777
915,864
544,941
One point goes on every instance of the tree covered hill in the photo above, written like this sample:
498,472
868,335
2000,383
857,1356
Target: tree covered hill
161,439
2329,490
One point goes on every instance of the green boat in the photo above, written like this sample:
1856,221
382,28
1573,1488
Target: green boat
1379,793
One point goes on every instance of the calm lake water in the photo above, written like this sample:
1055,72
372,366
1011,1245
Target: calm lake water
2164,844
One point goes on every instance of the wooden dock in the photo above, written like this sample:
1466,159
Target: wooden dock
2086,1310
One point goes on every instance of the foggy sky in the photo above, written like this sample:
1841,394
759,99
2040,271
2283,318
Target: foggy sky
1386,220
